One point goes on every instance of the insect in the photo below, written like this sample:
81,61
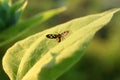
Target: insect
57,36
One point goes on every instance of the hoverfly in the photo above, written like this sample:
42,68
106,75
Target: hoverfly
58,36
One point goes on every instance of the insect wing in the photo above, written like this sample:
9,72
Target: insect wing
65,33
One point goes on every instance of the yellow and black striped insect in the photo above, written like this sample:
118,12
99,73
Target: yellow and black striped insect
58,37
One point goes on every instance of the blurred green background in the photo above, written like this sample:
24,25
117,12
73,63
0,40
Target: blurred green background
102,59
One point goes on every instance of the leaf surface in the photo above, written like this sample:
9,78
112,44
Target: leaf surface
41,58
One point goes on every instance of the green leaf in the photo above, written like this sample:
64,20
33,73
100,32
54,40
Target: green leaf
1,24
19,30
17,8
4,4
20,10
17,5
13,16
4,1
41,58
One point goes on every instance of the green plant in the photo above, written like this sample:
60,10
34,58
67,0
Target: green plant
18,29
40,58
12,28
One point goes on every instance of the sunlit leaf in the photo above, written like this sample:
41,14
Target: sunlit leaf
41,58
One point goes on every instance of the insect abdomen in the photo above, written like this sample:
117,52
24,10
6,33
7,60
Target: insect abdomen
52,36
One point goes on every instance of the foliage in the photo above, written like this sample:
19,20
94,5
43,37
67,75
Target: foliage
12,28
36,56
10,14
